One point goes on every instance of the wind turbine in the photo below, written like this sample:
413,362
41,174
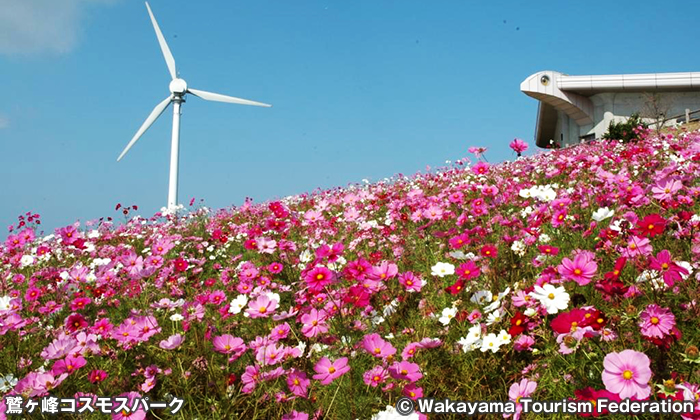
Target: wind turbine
178,90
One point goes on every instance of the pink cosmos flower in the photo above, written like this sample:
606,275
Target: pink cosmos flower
523,343
481,168
228,344
581,269
670,270
314,323
59,348
96,376
298,383
468,270
520,390
412,391
384,271
518,146
173,342
68,365
250,378
280,332
406,371
296,415
318,277
377,347
139,414
328,371
627,373
666,188
375,376
75,322
656,322
270,355
409,281
637,246
261,307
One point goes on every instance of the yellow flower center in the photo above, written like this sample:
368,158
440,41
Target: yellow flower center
654,320
577,271
551,295
331,369
627,374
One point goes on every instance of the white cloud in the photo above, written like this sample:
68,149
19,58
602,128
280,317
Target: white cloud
30,27
4,122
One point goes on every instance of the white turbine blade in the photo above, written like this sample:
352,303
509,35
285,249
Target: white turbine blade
147,124
169,60
223,98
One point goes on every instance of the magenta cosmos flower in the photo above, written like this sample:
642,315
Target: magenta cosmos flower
518,146
656,321
581,269
328,371
627,374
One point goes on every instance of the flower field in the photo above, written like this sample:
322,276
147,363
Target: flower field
562,275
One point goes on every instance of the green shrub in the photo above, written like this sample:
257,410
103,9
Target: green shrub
631,130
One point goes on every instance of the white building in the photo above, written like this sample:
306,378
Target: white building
576,108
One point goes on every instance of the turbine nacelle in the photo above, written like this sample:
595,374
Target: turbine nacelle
178,86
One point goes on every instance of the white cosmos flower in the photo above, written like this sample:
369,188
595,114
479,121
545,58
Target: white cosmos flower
491,342
442,269
26,260
5,303
493,318
447,315
238,304
176,317
554,299
503,337
473,335
602,214
482,297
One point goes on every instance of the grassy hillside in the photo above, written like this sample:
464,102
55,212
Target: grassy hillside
564,275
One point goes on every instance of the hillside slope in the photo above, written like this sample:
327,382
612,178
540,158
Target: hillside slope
568,274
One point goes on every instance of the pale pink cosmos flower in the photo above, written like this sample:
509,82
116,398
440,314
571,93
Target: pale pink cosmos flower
270,355
523,389
666,188
328,371
627,374
637,246
261,307
173,342
656,322
314,323
228,344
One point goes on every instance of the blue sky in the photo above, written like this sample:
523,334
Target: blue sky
361,90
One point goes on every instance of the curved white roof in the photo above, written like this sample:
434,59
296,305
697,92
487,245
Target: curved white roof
571,94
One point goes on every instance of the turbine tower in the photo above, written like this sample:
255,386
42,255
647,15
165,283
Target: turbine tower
178,90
